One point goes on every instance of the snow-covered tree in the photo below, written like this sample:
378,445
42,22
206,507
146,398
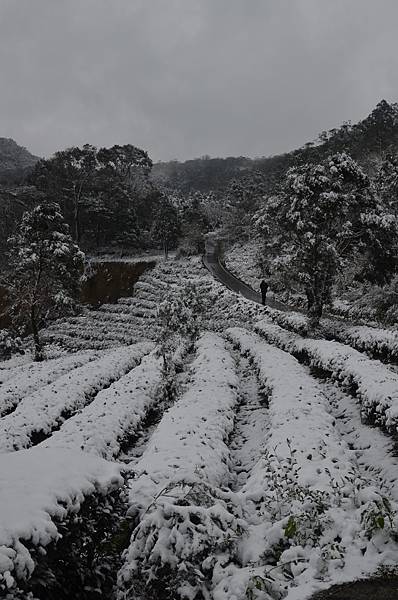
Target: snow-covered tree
242,199
45,269
194,224
180,320
9,344
325,215
387,182
166,225
68,176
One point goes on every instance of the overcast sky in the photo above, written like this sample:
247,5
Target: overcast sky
183,78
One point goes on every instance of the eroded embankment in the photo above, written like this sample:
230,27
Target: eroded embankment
107,282
112,280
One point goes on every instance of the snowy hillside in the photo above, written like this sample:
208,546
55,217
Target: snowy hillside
261,464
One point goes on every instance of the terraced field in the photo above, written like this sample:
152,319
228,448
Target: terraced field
270,471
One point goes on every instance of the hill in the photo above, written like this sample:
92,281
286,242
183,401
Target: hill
367,141
15,161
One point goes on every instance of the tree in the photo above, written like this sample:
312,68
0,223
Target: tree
128,164
14,202
194,224
242,200
180,319
325,215
45,269
387,182
166,226
68,176
102,193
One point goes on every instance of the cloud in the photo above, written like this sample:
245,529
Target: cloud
182,78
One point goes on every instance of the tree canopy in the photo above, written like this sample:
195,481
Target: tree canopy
46,266
325,215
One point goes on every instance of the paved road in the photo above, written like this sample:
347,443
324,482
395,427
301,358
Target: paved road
211,260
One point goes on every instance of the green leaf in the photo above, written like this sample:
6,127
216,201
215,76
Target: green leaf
380,522
291,528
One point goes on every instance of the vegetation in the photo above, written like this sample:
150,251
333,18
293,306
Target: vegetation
46,267
326,215
320,230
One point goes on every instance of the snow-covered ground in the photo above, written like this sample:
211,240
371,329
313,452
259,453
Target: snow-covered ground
242,260
257,479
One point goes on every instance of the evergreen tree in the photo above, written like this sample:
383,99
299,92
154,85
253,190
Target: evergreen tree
325,214
45,268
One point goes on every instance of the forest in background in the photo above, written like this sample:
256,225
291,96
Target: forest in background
111,192
116,200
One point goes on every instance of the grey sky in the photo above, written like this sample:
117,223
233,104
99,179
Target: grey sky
183,78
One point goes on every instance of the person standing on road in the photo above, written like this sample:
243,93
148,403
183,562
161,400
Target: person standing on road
264,290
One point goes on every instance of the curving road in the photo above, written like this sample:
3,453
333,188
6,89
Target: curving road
211,260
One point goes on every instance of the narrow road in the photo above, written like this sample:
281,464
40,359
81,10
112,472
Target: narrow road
211,260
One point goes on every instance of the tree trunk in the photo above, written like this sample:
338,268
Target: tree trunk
77,223
315,313
76,217
39,355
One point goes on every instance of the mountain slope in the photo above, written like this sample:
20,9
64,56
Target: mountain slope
15,160
367,141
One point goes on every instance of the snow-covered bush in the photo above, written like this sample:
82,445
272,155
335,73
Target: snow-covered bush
26,380
312,513
41,526
381,302
82,564
46,409
178,542
180,319
9,344
185,520
116,414
372,382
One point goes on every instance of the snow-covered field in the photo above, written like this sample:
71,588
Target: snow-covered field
256,476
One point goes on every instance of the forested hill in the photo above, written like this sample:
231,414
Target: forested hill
366,141
15,161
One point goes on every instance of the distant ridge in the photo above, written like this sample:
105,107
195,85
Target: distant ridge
15,161
366,141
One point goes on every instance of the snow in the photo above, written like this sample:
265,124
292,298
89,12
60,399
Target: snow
38,487
49,406
25,380
190,442
186,458
242,260
308,480
374,384
297,405
115,413
258,476
375,341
